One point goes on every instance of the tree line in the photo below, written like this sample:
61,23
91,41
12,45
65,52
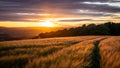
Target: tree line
109,28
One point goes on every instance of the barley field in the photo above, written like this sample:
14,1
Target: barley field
62,52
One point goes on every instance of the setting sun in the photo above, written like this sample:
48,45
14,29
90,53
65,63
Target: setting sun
47,23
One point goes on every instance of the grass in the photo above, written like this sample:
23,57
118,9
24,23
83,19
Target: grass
70,57
110,53
64,52
14,61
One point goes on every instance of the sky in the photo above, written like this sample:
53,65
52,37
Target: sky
27,13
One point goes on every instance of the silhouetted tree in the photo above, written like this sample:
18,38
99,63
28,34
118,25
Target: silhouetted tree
108,28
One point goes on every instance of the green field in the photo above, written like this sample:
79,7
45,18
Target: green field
62,52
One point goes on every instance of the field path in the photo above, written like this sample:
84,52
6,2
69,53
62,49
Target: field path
96,57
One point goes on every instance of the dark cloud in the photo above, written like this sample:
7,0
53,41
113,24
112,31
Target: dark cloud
75,20
79,20
68,7
17,17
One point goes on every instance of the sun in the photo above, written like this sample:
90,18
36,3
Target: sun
47,23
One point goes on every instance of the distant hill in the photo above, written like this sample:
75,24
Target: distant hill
24,32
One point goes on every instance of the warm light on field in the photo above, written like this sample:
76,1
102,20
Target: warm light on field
85,51
47,23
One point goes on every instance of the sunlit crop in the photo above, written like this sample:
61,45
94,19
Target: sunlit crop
64,52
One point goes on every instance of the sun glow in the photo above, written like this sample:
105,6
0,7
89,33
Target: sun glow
47,23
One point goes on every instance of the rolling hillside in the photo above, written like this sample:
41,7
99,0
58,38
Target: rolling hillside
26,32
62,52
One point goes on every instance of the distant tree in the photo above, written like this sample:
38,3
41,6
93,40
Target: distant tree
108,28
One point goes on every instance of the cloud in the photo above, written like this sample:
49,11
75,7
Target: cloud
81,20
26,10
114,4
74,20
